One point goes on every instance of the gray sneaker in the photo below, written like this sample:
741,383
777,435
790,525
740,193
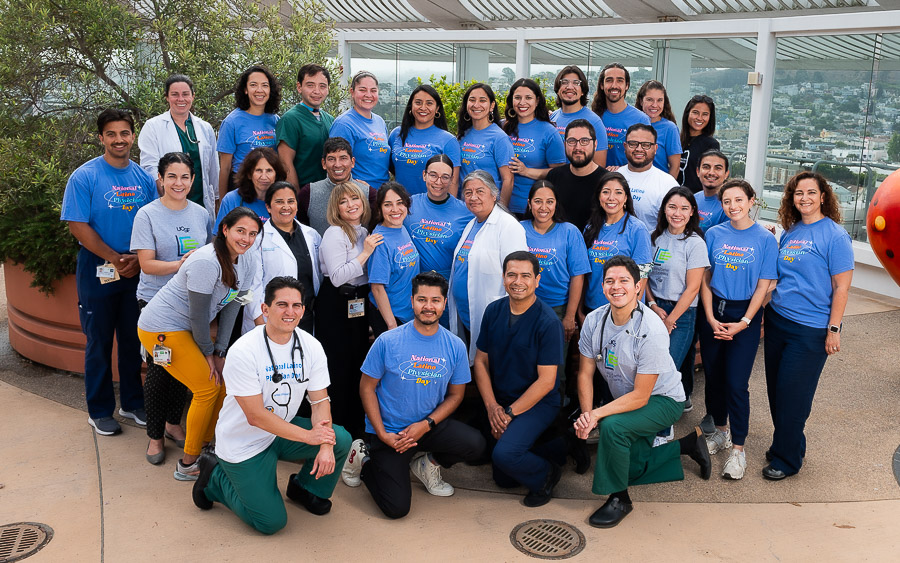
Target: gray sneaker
719,441
138,415
105,426
187,472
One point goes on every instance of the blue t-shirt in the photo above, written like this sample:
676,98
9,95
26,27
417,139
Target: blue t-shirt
616,126
435,229
562,120
232,200
634,242
710,211
394,264
739,259
410,157
538,146
241,132
562,254
668,142
459,285
414,373
516,347
368,137
809,256
488,149
107,199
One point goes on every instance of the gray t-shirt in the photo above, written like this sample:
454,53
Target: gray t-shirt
639,346
172,234
672,258
169,310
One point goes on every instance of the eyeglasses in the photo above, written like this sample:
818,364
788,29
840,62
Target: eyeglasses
434,177
567,82
584,141
644,145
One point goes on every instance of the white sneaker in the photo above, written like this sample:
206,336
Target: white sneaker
718,441
663,437
430,475
735,466
353,465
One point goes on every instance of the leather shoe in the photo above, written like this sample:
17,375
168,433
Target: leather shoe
701,455
611,513
773,474
541,497
208,462
312,503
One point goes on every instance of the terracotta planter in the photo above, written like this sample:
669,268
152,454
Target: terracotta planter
45,329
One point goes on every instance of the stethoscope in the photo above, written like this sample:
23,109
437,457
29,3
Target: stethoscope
276,375
636,338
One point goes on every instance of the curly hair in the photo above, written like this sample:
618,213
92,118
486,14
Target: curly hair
789,215
242,100
244,178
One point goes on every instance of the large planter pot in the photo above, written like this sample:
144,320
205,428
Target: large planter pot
45,329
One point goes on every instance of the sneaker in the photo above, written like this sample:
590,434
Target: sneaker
187,472
353,465
688,405
735,466
593,437
105,425
207,463
664,436
719,441
707,426
430,475
139,415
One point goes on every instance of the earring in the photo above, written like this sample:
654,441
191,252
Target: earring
437,114
510,113
491,117
467,117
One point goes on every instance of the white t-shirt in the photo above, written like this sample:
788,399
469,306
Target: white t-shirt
248,371
647,191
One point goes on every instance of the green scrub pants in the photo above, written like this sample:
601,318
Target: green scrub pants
625,452
250,489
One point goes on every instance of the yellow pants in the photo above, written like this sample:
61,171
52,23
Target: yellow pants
190,367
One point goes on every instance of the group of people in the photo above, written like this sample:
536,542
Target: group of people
519,251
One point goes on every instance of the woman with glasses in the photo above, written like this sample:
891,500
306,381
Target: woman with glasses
697,127
366,131
538,146
179,130
421,135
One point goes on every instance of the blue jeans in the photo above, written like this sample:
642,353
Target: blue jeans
795,356
680,340
728,365
513,457
107,311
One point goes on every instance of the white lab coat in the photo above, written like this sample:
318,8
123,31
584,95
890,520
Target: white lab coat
500,235
276,259
159,136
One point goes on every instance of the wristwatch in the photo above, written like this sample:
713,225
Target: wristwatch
220,353
430,422
835,328
509,412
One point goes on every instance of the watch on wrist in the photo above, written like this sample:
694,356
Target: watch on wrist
220,353
836,329
430,422
509,412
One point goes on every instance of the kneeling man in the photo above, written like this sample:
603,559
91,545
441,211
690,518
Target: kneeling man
629,344
267,373
520,348
413,378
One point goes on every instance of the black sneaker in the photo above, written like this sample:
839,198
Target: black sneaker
105,425
312,503
207,463
541,497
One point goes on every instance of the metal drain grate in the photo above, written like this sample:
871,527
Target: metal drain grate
547,539
23,539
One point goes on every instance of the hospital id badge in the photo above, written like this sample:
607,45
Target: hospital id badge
356,308
162,356
107,273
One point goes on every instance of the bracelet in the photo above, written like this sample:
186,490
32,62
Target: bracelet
325,398
746,320
651,304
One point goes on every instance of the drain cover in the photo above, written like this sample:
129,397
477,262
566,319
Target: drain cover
547,539
23,539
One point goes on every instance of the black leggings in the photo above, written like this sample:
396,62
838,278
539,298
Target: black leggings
164,396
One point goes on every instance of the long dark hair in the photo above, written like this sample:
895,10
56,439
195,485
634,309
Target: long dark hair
440,117
655,85
511,125
559,214
242,100
598,214
464,121
599,104
710,125
220,245
244,177
662,222
381,195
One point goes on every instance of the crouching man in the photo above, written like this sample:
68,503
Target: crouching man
267,374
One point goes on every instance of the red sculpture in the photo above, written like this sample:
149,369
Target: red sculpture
883,224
